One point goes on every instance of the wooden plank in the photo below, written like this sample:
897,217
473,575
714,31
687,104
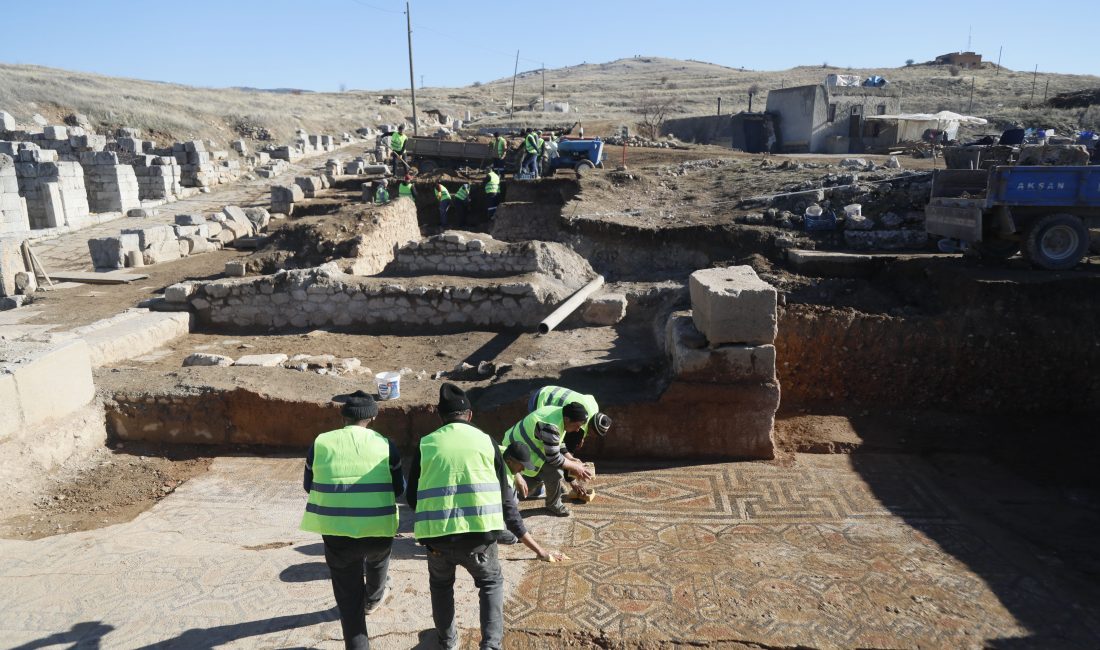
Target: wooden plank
111,277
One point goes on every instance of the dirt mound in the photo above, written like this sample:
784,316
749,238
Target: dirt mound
1075,99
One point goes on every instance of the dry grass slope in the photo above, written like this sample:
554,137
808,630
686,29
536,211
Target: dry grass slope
603,95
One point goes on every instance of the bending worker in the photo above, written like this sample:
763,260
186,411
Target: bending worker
381,194
459,489
406,188
560,396
516,459
397,148
353,476
544,443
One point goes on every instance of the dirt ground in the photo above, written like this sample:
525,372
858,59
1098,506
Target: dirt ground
112,486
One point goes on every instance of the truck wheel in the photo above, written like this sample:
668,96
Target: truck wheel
996,249
1056,242
583,167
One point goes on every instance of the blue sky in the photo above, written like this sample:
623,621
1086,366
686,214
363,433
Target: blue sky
320,45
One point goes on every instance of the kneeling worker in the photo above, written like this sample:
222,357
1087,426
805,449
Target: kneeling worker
572,442
544,443
518,458
353,476
459,489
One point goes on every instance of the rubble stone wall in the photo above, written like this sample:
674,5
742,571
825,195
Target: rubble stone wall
479,255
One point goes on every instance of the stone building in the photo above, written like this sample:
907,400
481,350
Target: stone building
830,119
964,60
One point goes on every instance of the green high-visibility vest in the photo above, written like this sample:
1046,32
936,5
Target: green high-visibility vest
532,143
352,490
559,396
405,189
458,490
523,432
381,195
492,186
441,194
463,192
501,147
397,142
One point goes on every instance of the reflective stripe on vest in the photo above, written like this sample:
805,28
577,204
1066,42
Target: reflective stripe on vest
463,193
352,490
492,186
458,490
559,396
397,142
405,189
524,433
531,143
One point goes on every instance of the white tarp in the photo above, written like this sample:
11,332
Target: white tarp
911,126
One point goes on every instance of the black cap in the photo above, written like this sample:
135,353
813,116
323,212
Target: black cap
357,406
601,422
519,453
496,134
452,399
575,411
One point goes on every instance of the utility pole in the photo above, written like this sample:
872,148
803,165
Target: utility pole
512,110
1046,90
720,107
543,87
999,53
412,77
973,82
1034,78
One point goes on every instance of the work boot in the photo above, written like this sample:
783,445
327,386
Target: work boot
561,511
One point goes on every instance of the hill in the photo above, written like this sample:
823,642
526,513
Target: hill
599,94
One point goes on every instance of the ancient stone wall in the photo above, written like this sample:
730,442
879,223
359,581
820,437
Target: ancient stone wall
13,208
324,296
112,187
478,255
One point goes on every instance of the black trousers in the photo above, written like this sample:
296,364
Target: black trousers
349,561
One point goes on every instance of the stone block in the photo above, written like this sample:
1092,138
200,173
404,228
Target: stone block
54,383
189,220
203,359
179,292
11,263
310,185
150,235
261,360
236,268
162,251
134,333
7,122
39,120
259,217
725,364
604,309
110,252
53,205
234,214
733,305
202,230
197,244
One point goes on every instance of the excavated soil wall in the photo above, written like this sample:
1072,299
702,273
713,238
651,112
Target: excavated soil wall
969,340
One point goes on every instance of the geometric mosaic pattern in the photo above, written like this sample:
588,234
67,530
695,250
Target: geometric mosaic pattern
806,555
816,554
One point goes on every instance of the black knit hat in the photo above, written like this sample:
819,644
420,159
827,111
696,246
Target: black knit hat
519,453
602,423
357,405
452,399
575,411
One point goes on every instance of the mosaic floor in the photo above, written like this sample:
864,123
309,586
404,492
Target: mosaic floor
831,552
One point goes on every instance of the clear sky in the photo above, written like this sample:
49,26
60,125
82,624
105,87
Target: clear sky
323,44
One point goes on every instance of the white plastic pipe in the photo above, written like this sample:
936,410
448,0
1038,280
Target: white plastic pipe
569,306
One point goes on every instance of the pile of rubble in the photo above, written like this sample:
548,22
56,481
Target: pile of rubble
638,141
693,166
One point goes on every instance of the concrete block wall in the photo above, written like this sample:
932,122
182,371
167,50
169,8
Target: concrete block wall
46,383
111,187
13,208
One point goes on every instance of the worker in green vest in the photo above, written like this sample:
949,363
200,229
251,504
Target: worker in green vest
541,432
443,196
517,458
381,194
459,489
397,149
460,203
492,192
353,477
499,147
406,188
532,147
571,444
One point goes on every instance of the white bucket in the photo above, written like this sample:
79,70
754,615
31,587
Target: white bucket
813,211
853,210
389,385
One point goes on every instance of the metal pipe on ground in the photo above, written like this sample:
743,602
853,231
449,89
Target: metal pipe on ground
569,306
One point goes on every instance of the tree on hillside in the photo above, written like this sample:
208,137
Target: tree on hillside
654,109
909,63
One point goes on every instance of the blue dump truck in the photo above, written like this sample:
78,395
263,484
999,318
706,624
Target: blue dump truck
1045,212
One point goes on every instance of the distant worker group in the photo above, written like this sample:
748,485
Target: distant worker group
461,488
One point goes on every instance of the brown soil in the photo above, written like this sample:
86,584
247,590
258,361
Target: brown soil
113,486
